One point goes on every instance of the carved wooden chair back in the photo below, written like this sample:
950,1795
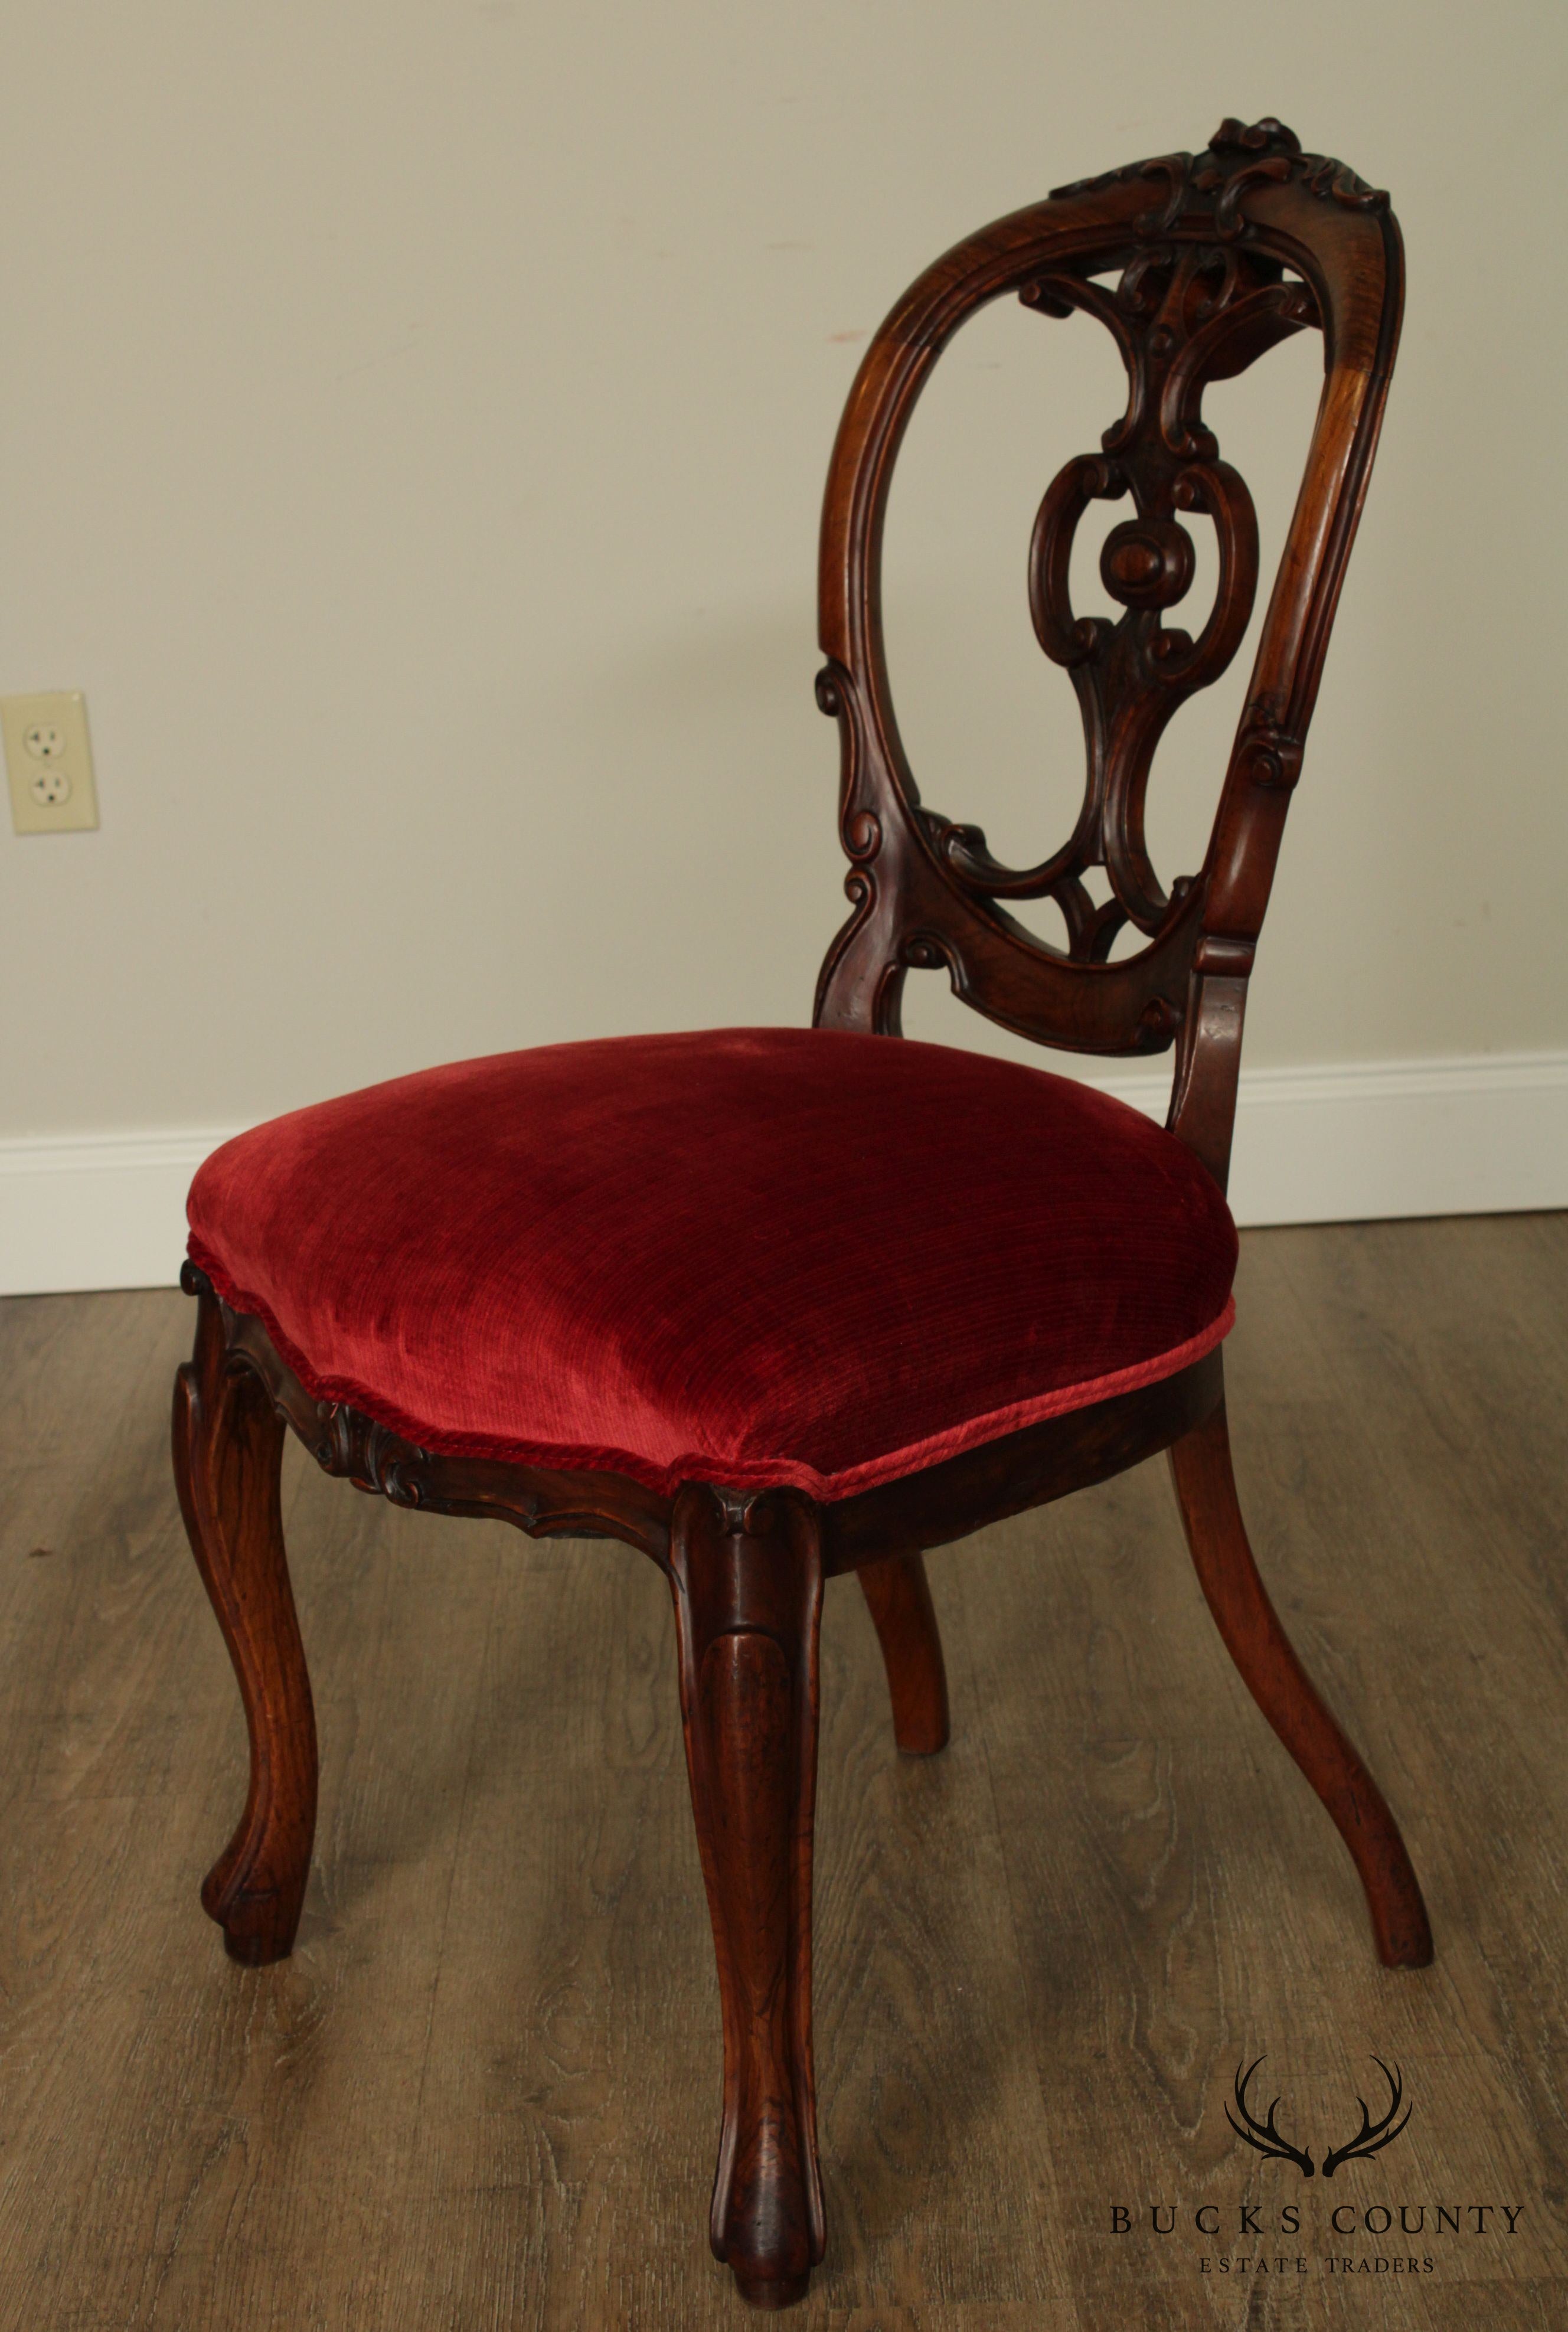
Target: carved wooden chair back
1218,260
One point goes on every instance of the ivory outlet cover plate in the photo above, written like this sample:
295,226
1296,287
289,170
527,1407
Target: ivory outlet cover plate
49,763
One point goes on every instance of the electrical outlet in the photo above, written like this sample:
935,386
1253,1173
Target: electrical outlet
49,763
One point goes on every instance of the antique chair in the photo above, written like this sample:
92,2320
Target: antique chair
773,1304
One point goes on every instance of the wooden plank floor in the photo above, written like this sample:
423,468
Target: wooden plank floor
484,2091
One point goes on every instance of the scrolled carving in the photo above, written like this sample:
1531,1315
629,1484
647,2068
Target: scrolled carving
359,1450
1339,181
352,1447
1320,173
859,825
1234,137
1132,675
862,834
1196,266
1171,168
1239,155
1266,754
1195,302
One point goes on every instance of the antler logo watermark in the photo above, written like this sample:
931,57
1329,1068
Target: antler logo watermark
1257,2234
1372,2136
1267,2138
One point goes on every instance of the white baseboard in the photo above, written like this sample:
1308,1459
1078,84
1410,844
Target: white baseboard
1366,1140
91,1210
1353,1143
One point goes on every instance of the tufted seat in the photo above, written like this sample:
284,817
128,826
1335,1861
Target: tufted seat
759,1257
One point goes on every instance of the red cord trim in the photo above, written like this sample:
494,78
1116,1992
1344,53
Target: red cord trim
732,1472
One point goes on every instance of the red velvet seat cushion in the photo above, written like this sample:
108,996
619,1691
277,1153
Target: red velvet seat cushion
746,1255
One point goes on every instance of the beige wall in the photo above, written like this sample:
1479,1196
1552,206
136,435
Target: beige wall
414,422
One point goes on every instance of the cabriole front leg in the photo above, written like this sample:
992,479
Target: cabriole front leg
747,1576
228,1442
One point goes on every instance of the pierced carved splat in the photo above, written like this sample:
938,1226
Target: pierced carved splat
1181,316
1196,266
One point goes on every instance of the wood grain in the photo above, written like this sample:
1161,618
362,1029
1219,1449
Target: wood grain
482,2092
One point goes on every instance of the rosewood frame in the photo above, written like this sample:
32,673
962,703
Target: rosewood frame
1219,256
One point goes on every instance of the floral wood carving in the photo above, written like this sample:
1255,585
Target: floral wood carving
1240,154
